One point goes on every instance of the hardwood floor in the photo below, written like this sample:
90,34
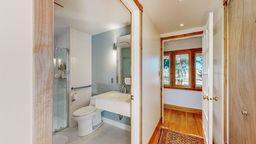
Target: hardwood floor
184,122
157,133
181,121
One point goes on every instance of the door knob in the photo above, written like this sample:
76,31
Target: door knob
244,112
205,97
216,98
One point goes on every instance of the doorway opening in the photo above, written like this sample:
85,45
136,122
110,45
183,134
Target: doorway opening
44,53
90,89
182,80
187,82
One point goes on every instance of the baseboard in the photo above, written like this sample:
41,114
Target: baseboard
116,124
156,134
185,109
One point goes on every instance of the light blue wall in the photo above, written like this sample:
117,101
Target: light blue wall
103,66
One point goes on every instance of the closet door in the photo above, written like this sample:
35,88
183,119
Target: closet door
242,71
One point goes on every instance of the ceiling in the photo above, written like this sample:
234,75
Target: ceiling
91,16
167,15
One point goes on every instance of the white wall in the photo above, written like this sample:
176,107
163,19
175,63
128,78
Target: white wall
16,72
61,38
80,75
150,79
181,44
218,74
184,98
195,29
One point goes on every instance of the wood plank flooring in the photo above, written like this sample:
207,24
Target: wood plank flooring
184,122
181,121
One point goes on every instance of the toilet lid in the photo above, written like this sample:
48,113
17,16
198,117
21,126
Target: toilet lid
84,111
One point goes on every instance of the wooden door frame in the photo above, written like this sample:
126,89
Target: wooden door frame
225,98
43,69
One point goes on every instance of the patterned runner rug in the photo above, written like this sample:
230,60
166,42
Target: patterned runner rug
173,137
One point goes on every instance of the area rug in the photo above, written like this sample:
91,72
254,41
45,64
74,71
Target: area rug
173,137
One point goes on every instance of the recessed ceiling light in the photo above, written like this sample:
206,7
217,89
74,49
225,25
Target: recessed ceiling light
180,0
182,25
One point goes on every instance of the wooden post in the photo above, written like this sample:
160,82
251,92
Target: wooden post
43,71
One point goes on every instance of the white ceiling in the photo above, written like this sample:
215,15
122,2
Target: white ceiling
91,16
167,15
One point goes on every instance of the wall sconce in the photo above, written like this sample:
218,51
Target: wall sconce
114,54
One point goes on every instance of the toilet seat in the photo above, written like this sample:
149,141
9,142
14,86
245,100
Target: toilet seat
84,111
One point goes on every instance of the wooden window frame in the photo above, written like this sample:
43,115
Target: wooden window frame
170,64
192,75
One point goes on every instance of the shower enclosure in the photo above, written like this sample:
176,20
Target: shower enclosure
61,89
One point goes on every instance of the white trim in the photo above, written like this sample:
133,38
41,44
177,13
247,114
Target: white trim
136,132
182,32
136,78
116,124
135,70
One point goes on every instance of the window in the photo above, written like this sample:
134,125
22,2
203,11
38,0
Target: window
166,70
199,69
182,69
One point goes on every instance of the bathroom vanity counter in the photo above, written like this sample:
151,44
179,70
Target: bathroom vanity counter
114,101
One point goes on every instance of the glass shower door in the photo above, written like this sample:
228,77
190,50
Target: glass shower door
60,90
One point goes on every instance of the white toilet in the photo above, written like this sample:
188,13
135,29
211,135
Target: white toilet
88,119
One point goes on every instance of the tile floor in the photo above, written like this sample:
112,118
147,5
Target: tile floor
106,134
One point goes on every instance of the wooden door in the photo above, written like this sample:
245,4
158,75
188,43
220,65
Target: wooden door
208,81
242,71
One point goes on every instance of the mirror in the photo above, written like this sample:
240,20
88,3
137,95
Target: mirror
123,48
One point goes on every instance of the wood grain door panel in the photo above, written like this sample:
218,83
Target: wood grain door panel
242,71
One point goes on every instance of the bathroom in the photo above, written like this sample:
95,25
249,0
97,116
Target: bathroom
92,72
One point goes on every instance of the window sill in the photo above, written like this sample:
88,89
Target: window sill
182,88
